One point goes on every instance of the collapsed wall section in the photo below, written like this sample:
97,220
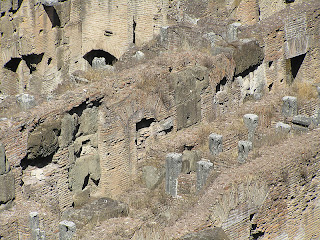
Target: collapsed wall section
67,31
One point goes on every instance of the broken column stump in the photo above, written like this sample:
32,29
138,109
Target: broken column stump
7,189
36,233
290,106
244,147
215,144
66,230
282,127
251,122
173,168
203,170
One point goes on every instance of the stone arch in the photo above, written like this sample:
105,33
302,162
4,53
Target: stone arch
94,54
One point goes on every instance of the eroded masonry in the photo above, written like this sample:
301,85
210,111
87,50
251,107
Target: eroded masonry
186,101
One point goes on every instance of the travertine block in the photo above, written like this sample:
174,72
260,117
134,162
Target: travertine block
251,122
203,169
282,127
290,106
173,168
244,147
66,230
215,143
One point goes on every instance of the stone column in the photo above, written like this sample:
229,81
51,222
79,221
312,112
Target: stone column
251,122
215,144
282,127
203,169
36,233
98,62
173,168
244,147
290,106
7,187
66,230
4,166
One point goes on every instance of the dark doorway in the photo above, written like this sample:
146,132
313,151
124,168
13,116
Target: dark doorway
221,84
13,64
110,59
144,123
32,60
296,63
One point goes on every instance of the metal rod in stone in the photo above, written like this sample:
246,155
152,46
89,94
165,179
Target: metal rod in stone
204,168
244,147
215,144
67,229
251,121
173,169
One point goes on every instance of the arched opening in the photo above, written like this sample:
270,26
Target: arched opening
32,60
103,57
296,63
13,64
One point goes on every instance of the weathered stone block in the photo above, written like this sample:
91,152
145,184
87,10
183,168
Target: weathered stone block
84,166
188,113
68,127
173,168
26,101
244,147
152,176
166,125
43,141
282,127
189,161
88,121
247,54
91,139
302,120
98,62
139,55
34,220
251,122
290,106
188,85
37,234
4,165
203,171
215,143
7,191
66,230
232,31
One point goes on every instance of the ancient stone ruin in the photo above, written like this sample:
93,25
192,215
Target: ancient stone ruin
215,143
173,168
159,119
203,170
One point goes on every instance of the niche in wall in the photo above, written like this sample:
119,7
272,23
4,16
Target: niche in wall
13,64
109,58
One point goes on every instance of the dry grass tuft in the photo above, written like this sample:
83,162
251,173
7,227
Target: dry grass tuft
94,75
304,90
270,139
